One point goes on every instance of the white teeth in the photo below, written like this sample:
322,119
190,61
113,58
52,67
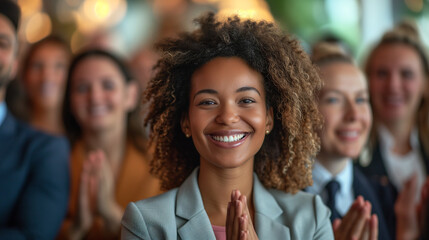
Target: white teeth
47,89
100,110
349,134
230,138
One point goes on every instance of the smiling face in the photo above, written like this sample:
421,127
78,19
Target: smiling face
227,116
99,95
396,82
45,75
344,105
8,46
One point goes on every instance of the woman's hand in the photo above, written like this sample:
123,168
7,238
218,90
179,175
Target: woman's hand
86,201
407,226
239,224
107,207
422,210
357,223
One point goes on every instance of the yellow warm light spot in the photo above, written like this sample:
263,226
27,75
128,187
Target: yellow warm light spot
29,7
414,5
76,41
253,9
38,26
100,13
205,1
102,9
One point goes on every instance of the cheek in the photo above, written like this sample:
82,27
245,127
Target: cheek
77,105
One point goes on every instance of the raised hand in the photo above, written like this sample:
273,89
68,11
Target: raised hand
357,223
84,218
107,207
405,210
239,224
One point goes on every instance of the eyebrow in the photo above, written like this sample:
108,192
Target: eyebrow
242,89
361,91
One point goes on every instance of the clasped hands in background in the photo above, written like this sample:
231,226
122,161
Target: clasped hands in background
96,196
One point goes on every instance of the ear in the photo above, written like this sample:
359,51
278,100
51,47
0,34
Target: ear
184,123
132,92
269,123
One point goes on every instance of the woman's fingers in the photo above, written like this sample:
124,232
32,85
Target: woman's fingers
373,227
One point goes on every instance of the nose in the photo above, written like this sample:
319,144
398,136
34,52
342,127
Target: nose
95,94
351,112
47,73
227,114
393,82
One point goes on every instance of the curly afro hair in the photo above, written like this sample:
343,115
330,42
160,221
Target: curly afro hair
291,83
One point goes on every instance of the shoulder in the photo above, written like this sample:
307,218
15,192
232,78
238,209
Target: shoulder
30,138
155,213
300,204
305,214
30,145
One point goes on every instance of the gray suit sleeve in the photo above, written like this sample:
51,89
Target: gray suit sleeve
133,224
323,223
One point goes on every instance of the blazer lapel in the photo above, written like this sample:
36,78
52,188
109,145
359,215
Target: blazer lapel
191,209
267,211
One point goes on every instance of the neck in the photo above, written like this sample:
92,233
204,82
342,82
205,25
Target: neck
111,142
216,186
48,120
333,164
401,133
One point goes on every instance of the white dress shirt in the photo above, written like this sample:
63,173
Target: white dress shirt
401,168
345,196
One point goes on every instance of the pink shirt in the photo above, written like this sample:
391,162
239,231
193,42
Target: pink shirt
219,232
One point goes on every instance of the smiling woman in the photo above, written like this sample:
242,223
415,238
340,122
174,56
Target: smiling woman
234,119
108,170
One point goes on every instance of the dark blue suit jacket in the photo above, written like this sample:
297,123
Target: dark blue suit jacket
34,181
362,186
386,192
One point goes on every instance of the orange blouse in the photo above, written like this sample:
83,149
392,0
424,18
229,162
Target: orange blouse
134,182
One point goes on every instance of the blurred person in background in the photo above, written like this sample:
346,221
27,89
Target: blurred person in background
34,173
344,105
44,71
397,159
109,168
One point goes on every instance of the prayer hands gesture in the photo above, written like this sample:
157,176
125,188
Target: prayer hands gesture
357,223
96,196
239,224
411,213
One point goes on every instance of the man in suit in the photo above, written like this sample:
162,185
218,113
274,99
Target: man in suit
34,173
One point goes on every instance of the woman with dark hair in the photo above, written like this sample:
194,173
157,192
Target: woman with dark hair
108,168
234,119
43,79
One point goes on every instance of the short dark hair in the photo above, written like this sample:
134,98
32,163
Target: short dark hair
11,10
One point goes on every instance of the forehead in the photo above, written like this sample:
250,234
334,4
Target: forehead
395,53
6,27
94,66
343,76
226,72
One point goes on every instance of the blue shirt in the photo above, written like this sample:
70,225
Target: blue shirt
345,197
2,112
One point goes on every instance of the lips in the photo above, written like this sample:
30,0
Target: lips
348,134
98,110
228,139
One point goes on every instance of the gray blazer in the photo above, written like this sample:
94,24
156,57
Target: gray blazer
179,214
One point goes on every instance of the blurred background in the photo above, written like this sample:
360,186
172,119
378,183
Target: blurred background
126,26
